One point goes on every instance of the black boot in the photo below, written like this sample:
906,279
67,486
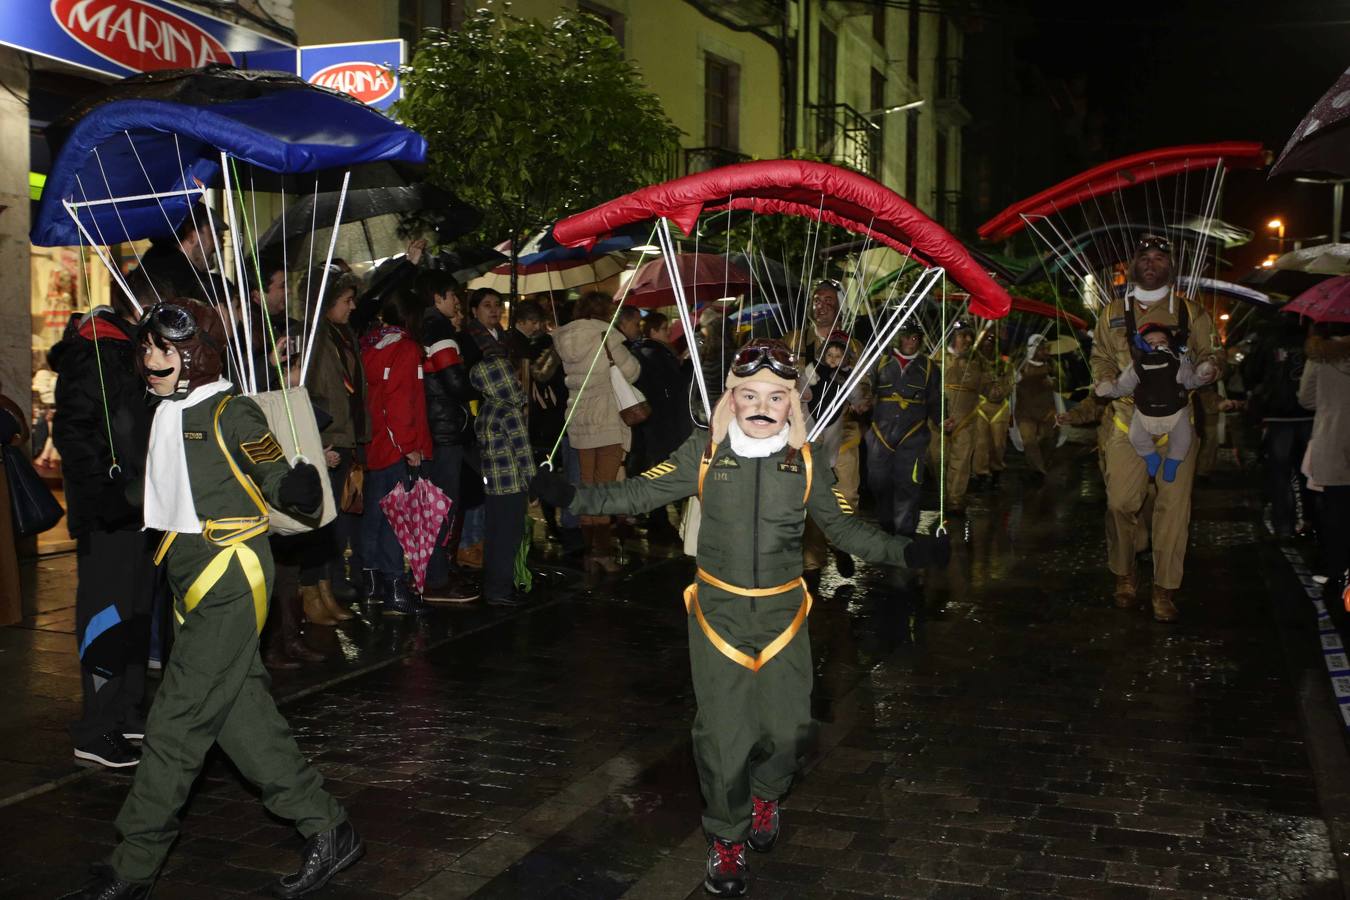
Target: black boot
400,599
323,856
727,870
107,886
372,586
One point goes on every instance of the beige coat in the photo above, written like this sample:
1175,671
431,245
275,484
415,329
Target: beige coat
594,413
1325,389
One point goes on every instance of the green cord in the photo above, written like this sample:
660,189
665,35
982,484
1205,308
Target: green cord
266,315
98,363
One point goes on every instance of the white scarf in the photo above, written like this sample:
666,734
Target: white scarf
748,447
168,489
1148,298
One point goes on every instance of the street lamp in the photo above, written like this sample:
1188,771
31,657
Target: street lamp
887,110
1277,226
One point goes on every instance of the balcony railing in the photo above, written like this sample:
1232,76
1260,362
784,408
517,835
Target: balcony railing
845,136
701,159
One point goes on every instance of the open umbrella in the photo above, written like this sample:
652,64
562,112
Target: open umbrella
1325,302
1320,143
416,516
705,277
1322,259
756,313
376,210
537,277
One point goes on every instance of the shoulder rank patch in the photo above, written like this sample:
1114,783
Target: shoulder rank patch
264,450
794,468
659,470
843,504
193,436
1117,322
727,462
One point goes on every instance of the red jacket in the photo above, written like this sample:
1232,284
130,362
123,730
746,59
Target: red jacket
395,401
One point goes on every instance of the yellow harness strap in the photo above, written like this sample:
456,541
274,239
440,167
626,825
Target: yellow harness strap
1003,408
965,421
231,535
741,658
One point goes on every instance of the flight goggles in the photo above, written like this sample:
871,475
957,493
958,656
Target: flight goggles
752,358
1153,242
171,322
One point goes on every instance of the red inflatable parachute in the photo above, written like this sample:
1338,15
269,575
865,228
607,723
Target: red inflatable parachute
797,188
1138,168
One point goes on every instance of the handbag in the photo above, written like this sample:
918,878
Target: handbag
34,507
354,490
633,407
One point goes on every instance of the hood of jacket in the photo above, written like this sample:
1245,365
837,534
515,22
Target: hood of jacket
1330,351
577,340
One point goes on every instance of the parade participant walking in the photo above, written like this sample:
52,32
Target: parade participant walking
1148,299
991,426
748,652
211,462
963,377
906,391
1034,407
101,429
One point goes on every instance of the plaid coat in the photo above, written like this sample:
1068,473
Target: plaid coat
503,438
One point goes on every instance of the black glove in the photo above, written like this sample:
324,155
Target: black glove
301,491
928,552
553,488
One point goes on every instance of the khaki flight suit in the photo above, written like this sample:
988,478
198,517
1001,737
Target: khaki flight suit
963,381
1209,439
991,426
1036,414
1127,481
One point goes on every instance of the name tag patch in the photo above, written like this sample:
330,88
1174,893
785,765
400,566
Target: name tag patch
794,468
1117,322
193,436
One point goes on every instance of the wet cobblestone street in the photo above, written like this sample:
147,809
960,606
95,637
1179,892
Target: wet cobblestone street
1011,734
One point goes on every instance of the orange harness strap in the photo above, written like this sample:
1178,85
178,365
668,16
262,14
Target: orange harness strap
753,663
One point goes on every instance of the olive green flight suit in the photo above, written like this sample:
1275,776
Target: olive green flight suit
751,665
214,688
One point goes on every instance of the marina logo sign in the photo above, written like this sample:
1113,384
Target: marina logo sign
368,70
122,37
366,81
137,35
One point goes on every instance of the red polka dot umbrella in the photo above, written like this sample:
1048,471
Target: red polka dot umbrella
416,516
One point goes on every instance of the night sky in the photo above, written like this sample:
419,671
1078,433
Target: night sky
1146,75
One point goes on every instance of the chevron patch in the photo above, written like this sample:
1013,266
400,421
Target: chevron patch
843,504
264,450
659,470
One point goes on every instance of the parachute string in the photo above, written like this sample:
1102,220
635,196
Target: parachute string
573,401
98,364
942,417
265,313
98,158
309,263
667,245
233,339
245,311
99,245
327,266
207,286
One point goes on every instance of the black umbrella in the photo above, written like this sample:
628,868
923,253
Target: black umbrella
1285,282
317,211
1320,145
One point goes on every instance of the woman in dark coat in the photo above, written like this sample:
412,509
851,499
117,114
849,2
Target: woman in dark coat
665,384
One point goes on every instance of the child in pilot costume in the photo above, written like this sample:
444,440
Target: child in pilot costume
748,650
211,463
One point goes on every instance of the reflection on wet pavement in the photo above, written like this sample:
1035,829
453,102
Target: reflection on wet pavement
1000,731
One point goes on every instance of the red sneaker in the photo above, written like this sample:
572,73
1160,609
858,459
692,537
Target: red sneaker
765,823
727,871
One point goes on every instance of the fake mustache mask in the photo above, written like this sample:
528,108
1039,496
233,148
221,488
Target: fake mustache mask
159,373
767,420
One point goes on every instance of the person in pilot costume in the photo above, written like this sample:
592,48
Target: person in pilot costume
212,461
748,650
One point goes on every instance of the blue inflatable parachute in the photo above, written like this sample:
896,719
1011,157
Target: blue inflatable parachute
152,141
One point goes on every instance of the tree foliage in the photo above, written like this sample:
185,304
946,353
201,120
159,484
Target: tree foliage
530,121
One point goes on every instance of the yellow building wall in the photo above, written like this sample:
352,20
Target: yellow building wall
337,21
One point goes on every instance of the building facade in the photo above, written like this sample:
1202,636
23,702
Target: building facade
870,84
